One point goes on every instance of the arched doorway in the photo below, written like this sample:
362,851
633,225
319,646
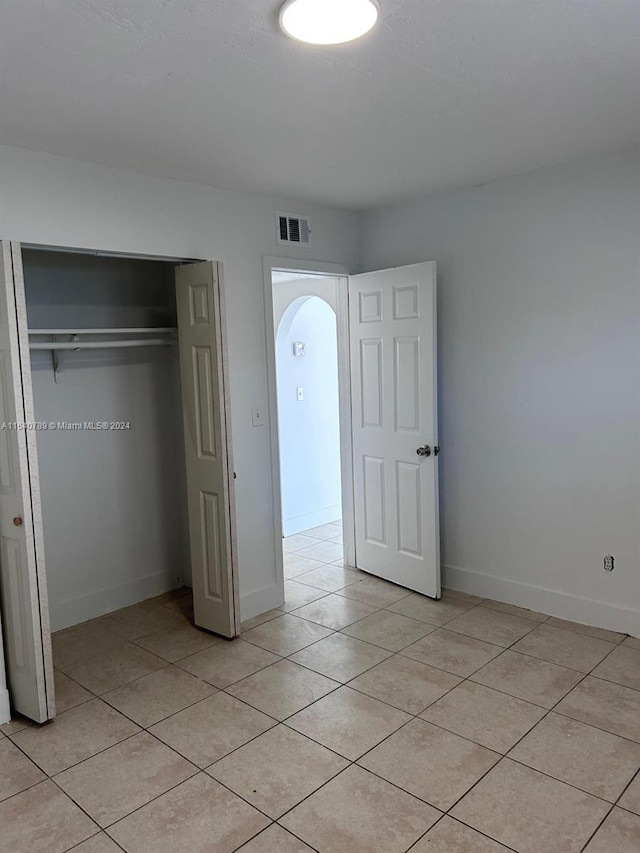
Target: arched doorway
308,414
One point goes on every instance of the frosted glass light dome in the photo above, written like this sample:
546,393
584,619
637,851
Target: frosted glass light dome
328,21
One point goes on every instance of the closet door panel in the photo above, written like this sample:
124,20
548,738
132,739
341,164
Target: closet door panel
207,445
23,587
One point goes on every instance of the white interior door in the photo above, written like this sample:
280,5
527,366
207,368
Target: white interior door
23,586
392,319
208,447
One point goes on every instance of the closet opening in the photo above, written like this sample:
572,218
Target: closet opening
117,505
110,443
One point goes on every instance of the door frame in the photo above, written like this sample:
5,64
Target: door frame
341,272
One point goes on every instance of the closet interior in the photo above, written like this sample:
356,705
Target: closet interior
107,397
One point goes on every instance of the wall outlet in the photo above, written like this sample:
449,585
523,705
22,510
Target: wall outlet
608,563
299,394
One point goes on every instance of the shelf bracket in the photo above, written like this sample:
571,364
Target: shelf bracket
57,357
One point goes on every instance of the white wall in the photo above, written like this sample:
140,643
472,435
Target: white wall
309,429
113,502
59,201
539,335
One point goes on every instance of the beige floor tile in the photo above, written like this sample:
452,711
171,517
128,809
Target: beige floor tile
340,657
425,609
121,779
17,724
589,630
375,591
452,652
566,648
283,689
42,820
430,763
286,634
330,578
324,531
75,735
16,771
325,552
228,662
105,671
158,695
513,610
261,619
291,544
88,639
348,722
461,596
68,693
631,798
597,762
100,843
335,611
491,626
530,812
607,706
390,631
178,600
407,684
483,715
200,816
450,836
298,594
211,729
633,642
296,564
620,833
622,666
528,678
275,839
277,770
141,619
388,820
173,644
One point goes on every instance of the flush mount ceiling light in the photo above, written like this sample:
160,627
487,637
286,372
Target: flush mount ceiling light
328,21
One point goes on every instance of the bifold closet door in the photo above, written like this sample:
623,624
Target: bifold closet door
207,444
23,585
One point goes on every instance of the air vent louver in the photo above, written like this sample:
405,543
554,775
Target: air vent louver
293,230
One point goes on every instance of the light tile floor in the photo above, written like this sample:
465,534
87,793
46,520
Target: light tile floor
357,718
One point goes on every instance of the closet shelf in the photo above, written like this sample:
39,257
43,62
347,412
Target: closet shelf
126,330
76,342
122,338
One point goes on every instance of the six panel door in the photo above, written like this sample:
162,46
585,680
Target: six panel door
392,319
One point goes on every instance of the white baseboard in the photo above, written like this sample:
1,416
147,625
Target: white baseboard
88,606
5,709
300,523
259,602
564,605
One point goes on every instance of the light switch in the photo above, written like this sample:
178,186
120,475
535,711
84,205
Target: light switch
300,394
257,416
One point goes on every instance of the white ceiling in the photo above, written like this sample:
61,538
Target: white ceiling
444,93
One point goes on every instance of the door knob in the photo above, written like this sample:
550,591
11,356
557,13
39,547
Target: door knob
17,521
425,450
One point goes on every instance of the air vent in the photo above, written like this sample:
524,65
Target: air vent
293,230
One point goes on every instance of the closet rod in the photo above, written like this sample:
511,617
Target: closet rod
77,345
149,330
